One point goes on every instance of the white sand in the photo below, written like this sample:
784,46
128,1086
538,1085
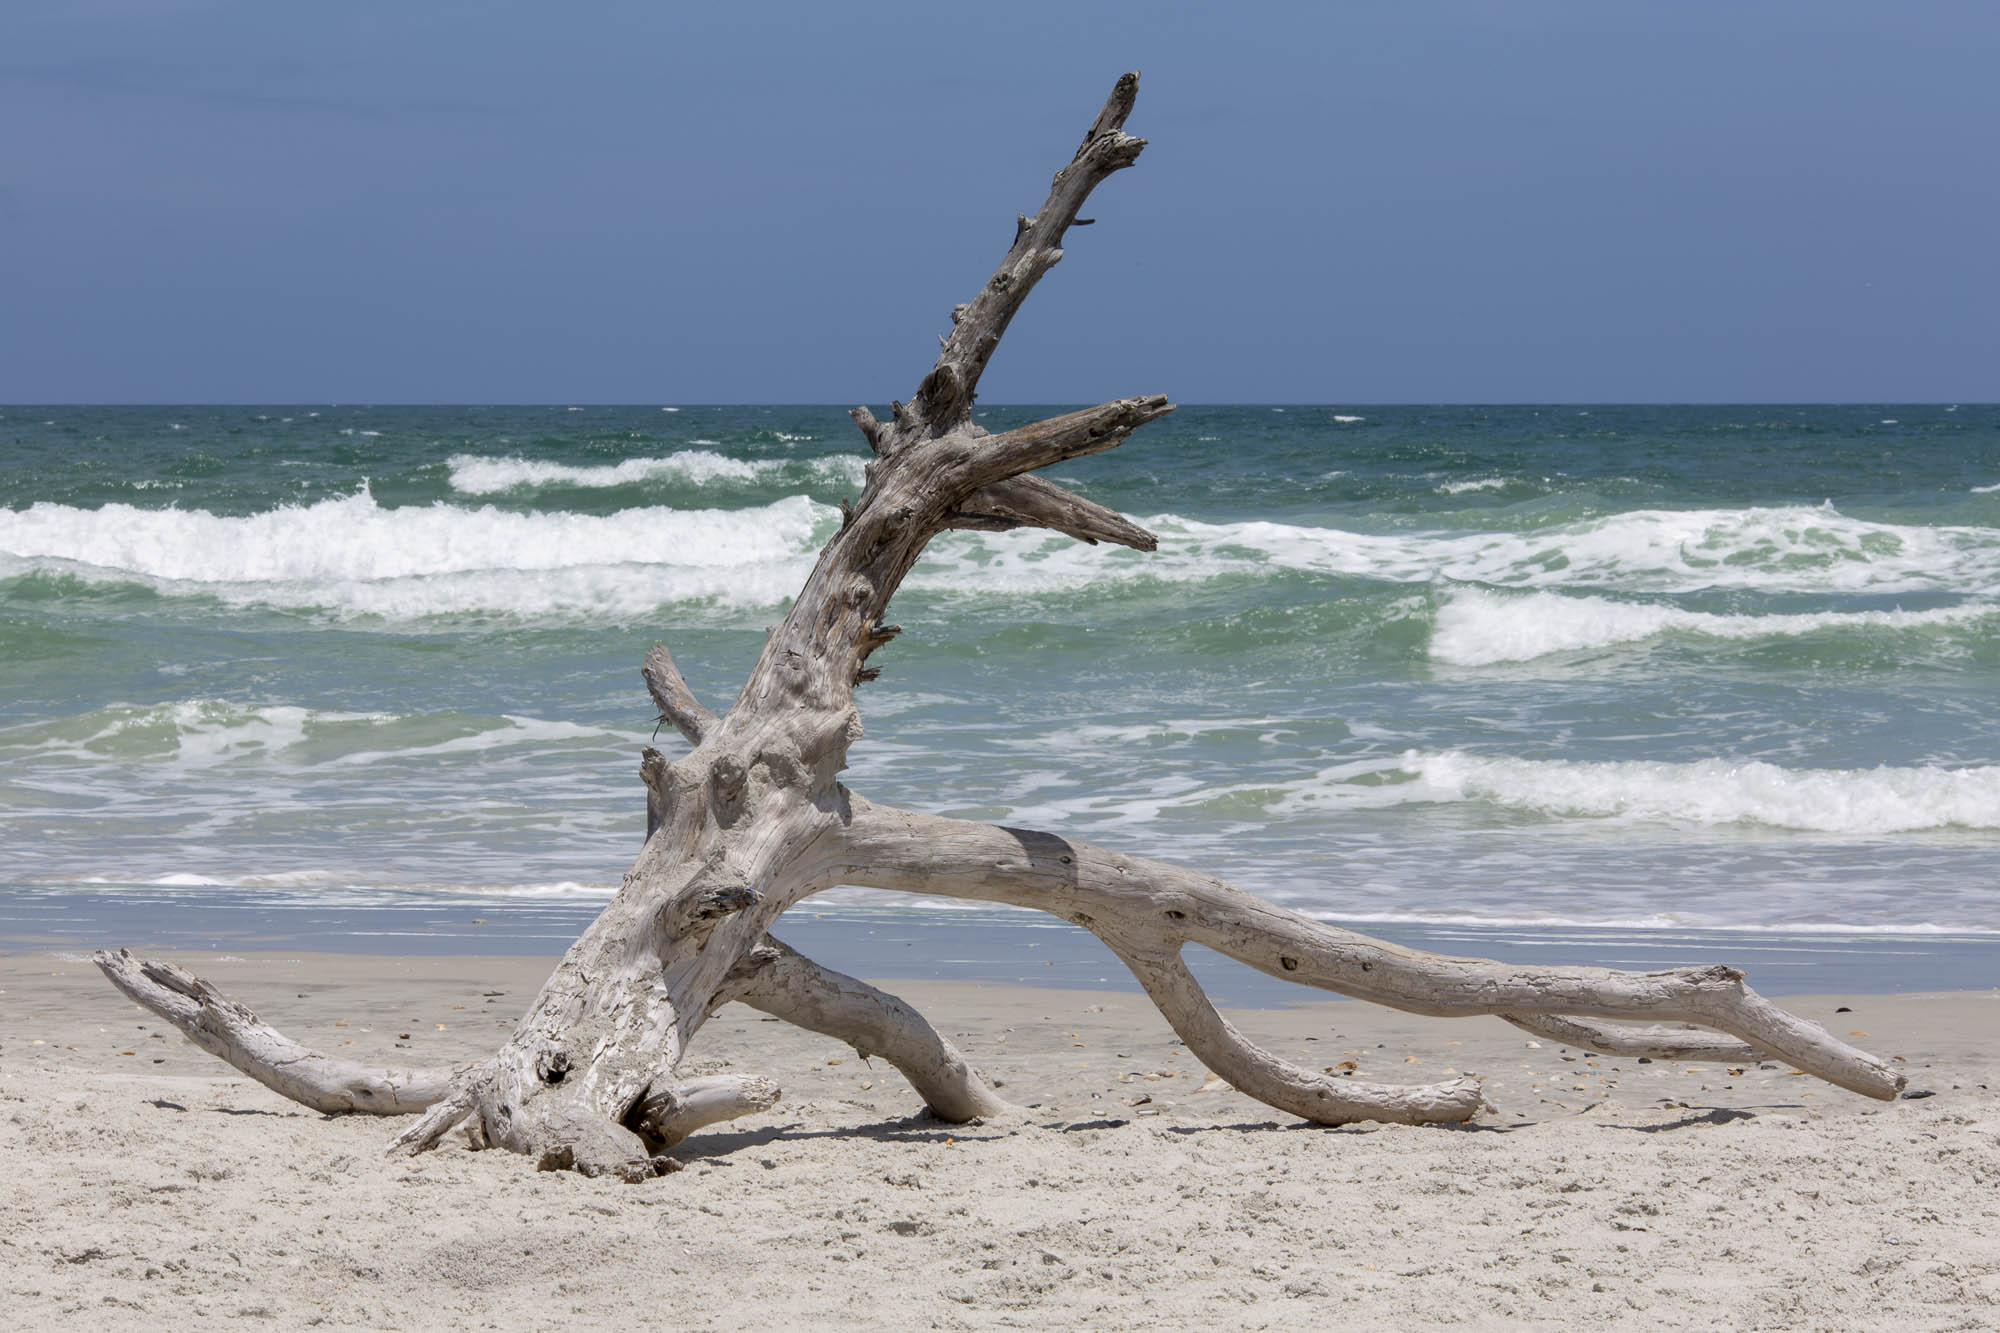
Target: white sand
151,1187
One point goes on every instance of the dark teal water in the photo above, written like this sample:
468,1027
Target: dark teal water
1608,667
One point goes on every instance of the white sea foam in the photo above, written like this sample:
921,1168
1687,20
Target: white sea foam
192,732
354,538
1462,487
337,889
511,731
353,555
205,733
560,890
474,474
1792,549
1677,923
1853,802
1479,628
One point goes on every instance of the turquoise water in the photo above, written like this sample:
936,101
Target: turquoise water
1628,668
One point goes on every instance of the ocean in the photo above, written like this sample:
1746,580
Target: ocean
1613,683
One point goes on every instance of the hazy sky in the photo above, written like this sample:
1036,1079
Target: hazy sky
774,201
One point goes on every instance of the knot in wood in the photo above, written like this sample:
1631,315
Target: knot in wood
940,391
723,900
727,776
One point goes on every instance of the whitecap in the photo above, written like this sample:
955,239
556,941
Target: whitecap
1855,802
1480,628
1776,549
472,474
355,556
356,539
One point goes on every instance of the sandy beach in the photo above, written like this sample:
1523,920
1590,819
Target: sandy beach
151,1185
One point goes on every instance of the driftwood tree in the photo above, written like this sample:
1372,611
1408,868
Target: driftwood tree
754,819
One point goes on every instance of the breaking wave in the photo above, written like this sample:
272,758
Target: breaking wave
1479,628
1853,802
353,556
473,474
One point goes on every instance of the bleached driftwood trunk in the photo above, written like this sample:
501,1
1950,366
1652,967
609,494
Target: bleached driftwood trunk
754,818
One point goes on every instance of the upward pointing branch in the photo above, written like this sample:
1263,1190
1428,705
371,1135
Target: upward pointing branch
943,402
935,469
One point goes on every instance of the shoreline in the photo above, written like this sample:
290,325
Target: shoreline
971,942
161,1184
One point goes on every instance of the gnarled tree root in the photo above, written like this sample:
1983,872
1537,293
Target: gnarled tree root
773,978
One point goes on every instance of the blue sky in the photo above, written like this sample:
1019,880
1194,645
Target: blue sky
779,202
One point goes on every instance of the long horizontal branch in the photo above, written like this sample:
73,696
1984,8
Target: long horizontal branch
1659,1040
1147,906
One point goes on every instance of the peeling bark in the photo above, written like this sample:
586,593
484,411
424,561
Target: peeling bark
753,819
